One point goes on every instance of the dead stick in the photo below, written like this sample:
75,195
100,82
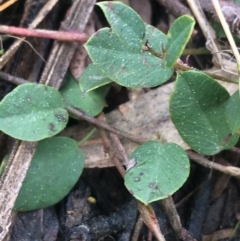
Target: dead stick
235,149
231,170
172,214
181,66
71,36
78,113
12,79
137,229
107,148
120,147
41,15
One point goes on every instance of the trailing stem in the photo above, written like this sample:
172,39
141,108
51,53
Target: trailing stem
70,36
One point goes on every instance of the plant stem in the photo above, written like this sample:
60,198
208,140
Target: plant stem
172,214
150,220
230,170
147,212
80,143
121,151
104,125
152,51
235,149
79,113
137,229
181,66
107,149
12,79
185,67
196,51
40,16
65,36
120,147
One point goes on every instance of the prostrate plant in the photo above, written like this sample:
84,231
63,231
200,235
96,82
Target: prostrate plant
118,54
132,54
128,53
198,105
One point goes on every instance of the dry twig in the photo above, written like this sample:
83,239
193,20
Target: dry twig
41,15
71,36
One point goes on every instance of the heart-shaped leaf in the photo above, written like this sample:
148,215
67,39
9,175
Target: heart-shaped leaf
125,22
177,38
197,108
127,65
160,170
32,112
92,78
91,103
56,166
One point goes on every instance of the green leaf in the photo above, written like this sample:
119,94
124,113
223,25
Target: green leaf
160,171
220,32
92,78
91,103
233,112
125,22
55,168
125,65
3,164
177,38
197,108
32,112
